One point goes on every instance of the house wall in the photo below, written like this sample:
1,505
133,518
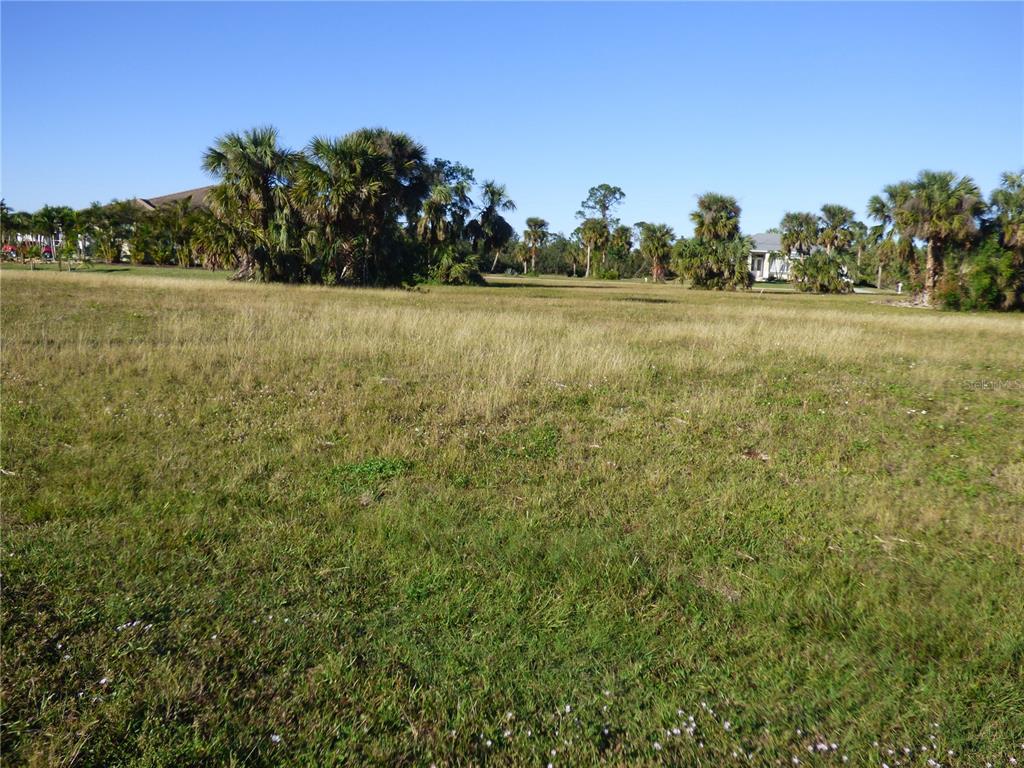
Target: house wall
773,265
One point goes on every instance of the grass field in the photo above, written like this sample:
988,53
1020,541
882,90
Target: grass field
524,524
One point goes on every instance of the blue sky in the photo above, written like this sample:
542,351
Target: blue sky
784,106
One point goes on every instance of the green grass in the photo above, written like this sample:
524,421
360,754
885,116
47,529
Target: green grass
414,527
122,270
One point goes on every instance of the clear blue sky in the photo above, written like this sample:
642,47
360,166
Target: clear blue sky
785,106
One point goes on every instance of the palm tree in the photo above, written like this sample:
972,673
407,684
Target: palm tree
433,225
942,210
535,235
799,233
1008,205
491,228
254,173
895,244
717,218
656,247
215,244
593,235
352,192
836,227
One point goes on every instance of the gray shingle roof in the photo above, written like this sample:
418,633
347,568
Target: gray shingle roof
197,195
767,241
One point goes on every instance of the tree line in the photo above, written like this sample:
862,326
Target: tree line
371,208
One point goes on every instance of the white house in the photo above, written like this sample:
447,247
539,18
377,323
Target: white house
767,261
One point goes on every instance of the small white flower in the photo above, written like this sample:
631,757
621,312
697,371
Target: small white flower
796,760
675,731
846,759
727,725
568,709
657,746
488,742
104,681
276,738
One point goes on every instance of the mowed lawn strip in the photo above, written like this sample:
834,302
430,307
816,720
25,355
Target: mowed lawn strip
541,521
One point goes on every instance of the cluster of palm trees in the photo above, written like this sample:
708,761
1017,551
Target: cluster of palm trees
370,208
947,213
972,250
367,208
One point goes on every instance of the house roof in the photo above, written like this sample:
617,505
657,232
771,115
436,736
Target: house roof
197,197
767,241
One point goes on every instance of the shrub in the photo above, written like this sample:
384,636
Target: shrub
456,267
820,272
720,266
987,277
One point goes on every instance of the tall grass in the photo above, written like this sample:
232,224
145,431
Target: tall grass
262,524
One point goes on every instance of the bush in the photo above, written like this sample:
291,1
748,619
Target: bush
456,267
988,277
719,266
820,272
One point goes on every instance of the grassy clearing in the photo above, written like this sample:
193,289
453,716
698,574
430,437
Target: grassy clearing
122,270
508,525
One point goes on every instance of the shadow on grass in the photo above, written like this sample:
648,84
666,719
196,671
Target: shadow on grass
491,281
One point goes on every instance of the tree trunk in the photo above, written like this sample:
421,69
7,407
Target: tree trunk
933,271
878,282
533,261
246,267
913,267
587,273
494,264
